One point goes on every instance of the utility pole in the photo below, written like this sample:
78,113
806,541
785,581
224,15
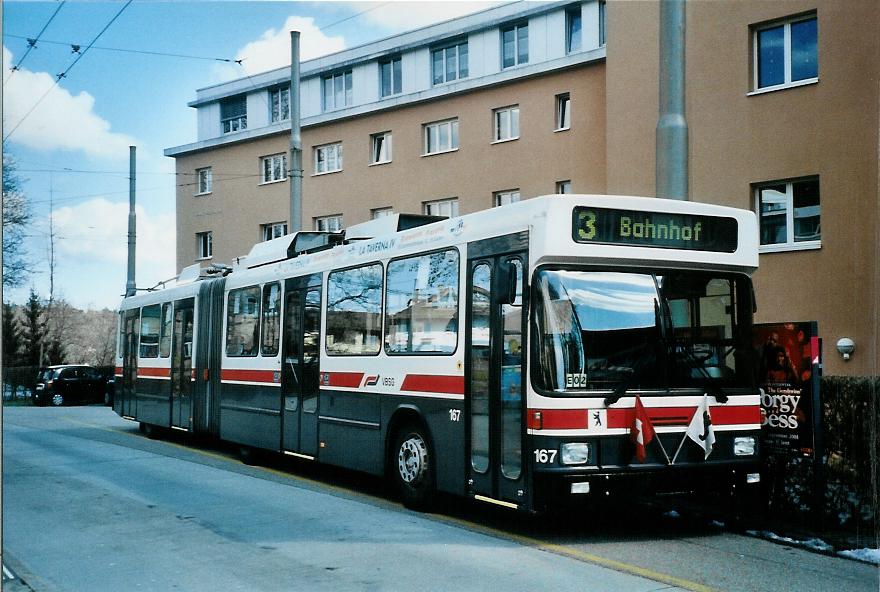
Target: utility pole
51,241
672,130
130,288
296,170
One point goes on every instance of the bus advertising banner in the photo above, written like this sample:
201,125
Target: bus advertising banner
789,371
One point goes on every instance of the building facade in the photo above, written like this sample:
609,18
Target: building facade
529,99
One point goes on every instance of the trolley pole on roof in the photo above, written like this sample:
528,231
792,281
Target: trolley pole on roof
296,170
130,288
672,129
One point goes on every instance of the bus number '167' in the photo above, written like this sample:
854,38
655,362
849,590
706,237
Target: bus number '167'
545,456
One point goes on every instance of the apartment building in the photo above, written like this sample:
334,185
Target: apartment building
532,98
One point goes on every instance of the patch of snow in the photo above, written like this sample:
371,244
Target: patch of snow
867,555
814,544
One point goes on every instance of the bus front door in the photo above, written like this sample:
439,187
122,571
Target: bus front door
299,374
128,403
494,370
181,364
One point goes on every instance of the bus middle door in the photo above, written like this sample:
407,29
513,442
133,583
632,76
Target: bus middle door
494,370
181,364
300,367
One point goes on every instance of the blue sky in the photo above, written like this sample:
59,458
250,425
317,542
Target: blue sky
74,144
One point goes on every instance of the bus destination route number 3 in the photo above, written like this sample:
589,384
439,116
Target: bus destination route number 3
654,229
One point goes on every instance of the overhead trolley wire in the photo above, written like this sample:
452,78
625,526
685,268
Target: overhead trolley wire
69,68
76,48
32,42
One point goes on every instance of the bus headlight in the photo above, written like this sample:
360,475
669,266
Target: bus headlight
744,446
575,453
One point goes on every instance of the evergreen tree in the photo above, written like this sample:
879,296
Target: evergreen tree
33,330
11,337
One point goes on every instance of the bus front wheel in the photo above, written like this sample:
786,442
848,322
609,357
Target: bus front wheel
412,467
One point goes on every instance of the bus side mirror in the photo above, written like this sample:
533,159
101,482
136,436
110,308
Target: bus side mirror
507,282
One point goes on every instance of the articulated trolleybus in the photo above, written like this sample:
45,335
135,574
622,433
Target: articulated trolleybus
560,348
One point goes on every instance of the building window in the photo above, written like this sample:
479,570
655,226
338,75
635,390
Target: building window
243,322
515,45
329,223
441,136
233,114
203,181
279,102
274,168
789,213
390,77
337,91
573,30
449,63
563,187
328,158
786,53
441,207
603,11
506,123
381,148
563,112
354,311
273,230
381,213
204,245
503,198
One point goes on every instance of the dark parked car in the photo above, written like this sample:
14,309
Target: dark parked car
68,384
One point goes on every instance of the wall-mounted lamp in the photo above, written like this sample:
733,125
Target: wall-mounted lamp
846,346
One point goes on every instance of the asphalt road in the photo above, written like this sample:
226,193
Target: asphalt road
91,504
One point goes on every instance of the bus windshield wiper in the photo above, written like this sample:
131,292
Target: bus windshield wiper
619,391
712,387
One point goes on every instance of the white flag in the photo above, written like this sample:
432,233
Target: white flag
700,430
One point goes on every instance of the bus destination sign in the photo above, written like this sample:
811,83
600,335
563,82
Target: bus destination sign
654,229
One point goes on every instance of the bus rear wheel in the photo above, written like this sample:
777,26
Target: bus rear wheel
412,468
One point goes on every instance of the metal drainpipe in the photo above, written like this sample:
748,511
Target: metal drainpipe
672,129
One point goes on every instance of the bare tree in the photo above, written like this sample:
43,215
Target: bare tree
16,216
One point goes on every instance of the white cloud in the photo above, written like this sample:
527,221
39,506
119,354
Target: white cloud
97,231
272,49
62,121
402,16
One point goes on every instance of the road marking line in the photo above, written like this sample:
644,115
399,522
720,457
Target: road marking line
569,552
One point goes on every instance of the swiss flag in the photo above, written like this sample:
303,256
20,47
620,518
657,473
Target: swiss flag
642,432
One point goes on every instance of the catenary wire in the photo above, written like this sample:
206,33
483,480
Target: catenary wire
125,50
32,43
69,68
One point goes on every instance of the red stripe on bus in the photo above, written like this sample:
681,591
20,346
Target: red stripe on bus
558,419
681,416
343,379
153,372
268,376
429,383
118,370
577,419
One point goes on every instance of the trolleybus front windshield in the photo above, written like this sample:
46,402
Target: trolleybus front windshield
603,330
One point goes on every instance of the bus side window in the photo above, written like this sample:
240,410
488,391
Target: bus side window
150,320
243,322
354,310
421,304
